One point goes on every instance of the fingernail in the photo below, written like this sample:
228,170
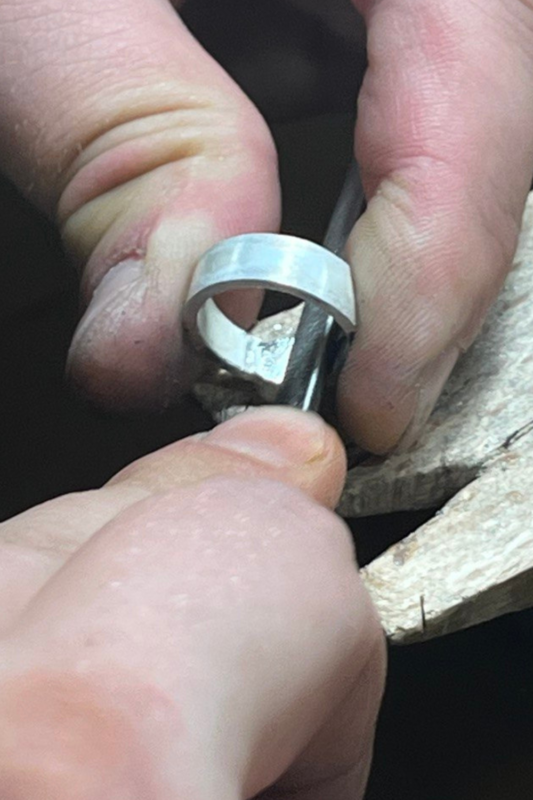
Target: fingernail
432,381
280,437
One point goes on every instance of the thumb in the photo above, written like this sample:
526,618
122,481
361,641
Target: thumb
445,144
118,124
274,444
212,633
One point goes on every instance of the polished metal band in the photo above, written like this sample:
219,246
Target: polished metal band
269,261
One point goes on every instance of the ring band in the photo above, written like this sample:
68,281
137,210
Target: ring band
277,262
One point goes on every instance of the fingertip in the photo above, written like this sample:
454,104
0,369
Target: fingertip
373,423
417,306
277,435
126,353
382,416
301,444
276,443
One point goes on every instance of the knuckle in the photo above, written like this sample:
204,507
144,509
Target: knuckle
143,163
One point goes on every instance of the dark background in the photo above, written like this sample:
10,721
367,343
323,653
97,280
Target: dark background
457,721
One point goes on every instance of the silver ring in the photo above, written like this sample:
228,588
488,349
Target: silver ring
269,261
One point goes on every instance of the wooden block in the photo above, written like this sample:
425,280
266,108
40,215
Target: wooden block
471,563
487,403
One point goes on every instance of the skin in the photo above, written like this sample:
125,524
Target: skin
130,670
118,124
196,628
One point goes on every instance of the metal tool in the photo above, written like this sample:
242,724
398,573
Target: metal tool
291,366
319,348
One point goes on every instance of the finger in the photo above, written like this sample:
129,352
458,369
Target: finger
336,764
445,146
117,123
277,443
203,634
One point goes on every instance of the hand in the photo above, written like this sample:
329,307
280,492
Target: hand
196,628
116,122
